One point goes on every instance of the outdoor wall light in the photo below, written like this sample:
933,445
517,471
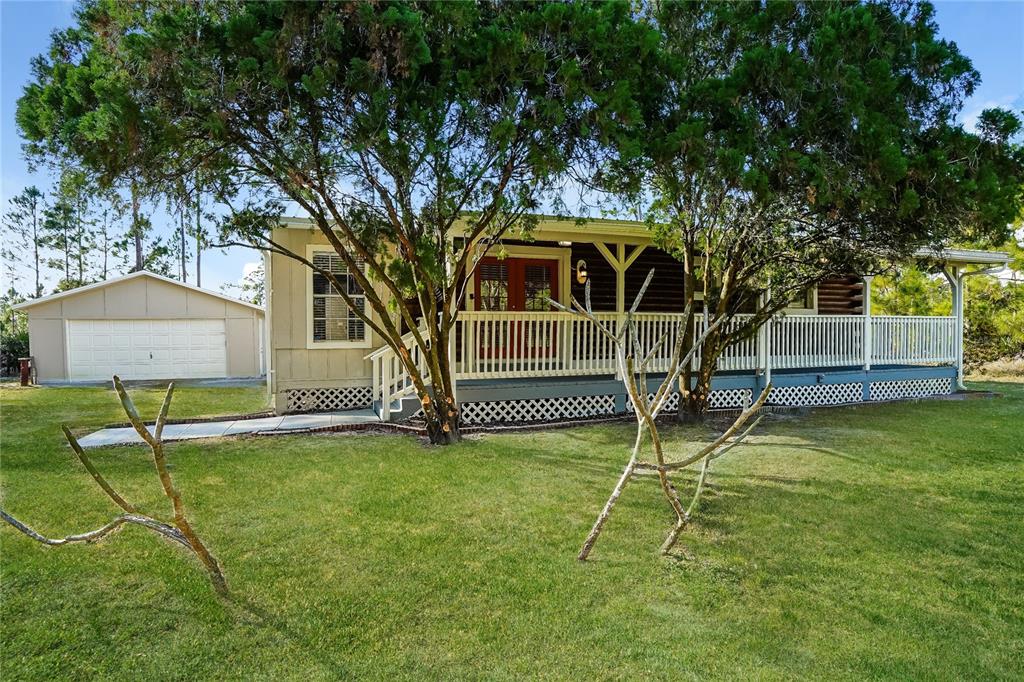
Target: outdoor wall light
562,243
581,271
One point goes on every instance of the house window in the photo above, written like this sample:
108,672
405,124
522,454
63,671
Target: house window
333,319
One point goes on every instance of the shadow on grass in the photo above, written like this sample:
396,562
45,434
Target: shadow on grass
310,645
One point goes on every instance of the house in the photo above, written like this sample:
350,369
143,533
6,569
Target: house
143,326
516,359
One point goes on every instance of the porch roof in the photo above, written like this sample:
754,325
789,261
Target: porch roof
565,228
549,228
964,256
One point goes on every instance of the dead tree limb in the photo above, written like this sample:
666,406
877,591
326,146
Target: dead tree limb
156,444
96,475
633,363
169,532
180,532
627,474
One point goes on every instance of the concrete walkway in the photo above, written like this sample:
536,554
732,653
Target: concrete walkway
291,422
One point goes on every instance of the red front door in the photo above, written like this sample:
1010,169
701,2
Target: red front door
518,285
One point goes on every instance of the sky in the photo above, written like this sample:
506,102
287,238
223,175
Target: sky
990,33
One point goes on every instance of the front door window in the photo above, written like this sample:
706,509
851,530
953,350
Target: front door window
493,285
517,285
538,287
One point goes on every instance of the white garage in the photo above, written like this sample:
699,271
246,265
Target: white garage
143,326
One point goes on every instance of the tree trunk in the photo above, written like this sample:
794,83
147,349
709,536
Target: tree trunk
136,231
693,403
184,252
81,244
199,239
687,374
106,248
35,249
443,427
694,409
67,253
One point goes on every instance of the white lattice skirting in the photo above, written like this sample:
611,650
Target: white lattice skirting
730,397
817,394
538,409
910,388
717,400
327,399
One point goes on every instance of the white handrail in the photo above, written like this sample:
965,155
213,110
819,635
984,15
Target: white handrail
550,344
391,378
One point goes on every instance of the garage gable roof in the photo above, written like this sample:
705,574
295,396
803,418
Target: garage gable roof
141,273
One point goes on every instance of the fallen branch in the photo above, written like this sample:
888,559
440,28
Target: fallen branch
95,535
180,532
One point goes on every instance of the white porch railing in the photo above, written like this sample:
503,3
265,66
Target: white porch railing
522,345
511,345
816,341
391,378
913,340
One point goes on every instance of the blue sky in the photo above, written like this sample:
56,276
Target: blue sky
990,33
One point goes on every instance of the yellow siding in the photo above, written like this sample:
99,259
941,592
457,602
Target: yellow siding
295,365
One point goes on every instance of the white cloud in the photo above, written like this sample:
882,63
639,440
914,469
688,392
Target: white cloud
249,268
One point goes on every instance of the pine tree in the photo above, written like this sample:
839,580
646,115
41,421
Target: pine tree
22,234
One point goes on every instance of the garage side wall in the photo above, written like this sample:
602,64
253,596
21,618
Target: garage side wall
142,298
46,341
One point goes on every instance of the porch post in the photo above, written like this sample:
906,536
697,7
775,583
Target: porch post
764,335
620,279
958,310
867,322
385,389
620,262
452,360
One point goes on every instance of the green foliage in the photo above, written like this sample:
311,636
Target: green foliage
994,326
13,333
437,99
778,144
910,291
384,122
795,141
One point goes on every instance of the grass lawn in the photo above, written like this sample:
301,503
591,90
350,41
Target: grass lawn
880,541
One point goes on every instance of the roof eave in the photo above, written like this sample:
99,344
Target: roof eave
965,256
124,278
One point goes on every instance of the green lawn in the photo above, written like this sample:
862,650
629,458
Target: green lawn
883,541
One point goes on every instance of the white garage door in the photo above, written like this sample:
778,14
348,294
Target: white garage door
146,349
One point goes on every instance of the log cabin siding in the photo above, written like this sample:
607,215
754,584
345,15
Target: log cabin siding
666,292
601,275
841,296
